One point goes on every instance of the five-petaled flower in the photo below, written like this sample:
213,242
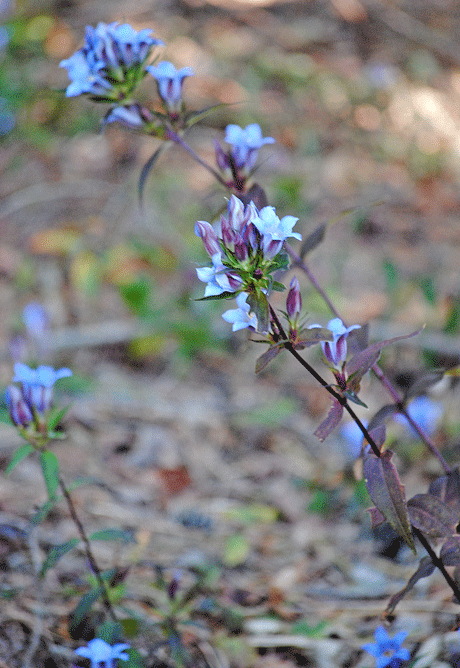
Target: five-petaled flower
169,83
103,655
241,317
388,651
335,351
245,145
37,385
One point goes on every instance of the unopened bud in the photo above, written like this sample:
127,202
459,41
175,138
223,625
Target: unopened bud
294,299
208,236
19,411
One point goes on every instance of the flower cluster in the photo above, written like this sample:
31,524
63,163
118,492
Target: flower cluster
388,651
111,61
28,403
103,655
239,162
245,248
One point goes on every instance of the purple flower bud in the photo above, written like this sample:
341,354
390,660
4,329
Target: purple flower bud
19,411
294,299
208,236
169,83
222,159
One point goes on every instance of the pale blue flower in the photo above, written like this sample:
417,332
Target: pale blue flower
425,412
103,655
354,437
274,230
85,75
129,116
387,651
335,351
241,317
245,142
36,319
170,82
217,277
37,384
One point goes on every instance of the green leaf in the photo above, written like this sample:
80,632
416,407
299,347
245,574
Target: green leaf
278,287
46,507
119,535
223,295
56,553
351,396
20,454
387,492
110,631
50,469
237,550
197,116
55,417
84,606
135,659
258,304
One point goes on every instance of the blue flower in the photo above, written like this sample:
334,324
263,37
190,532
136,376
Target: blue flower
170,82
335,351
110,51
37,384
103,655
274,230
218,278
129,116
241,317
19,411
424,412
387,651
246,143
36,319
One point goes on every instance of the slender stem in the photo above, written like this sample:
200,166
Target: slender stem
89,553
173,136
341,399
375,368
437,562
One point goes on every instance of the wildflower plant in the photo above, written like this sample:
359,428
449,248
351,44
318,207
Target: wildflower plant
249,250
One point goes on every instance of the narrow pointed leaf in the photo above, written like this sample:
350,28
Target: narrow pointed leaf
146,169
84,606
267,357
55,418
432,516
50,469
425,569
313,240
365,360
421,384
378,435
197,116
255,194
21,453
447,488
351,396
223,295
387,492
119,535
308,337
376,517
56,553
258,304
330,423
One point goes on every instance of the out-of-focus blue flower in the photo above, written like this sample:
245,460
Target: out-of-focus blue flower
387,651
241,317
353,436
129,116
169,83
110,55
37,384
36,319
424,412
245,144
103,655
18,409
335,351
7,117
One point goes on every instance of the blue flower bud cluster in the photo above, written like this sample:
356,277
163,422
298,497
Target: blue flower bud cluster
245,248
238,163
29,403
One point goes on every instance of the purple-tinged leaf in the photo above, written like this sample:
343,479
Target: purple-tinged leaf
387,492
425,569
351,396
423,382
268,356
313,240
447,488
330,423
376,517
378,435
365,360
431,515
450,551
308,337
255,194
382,414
